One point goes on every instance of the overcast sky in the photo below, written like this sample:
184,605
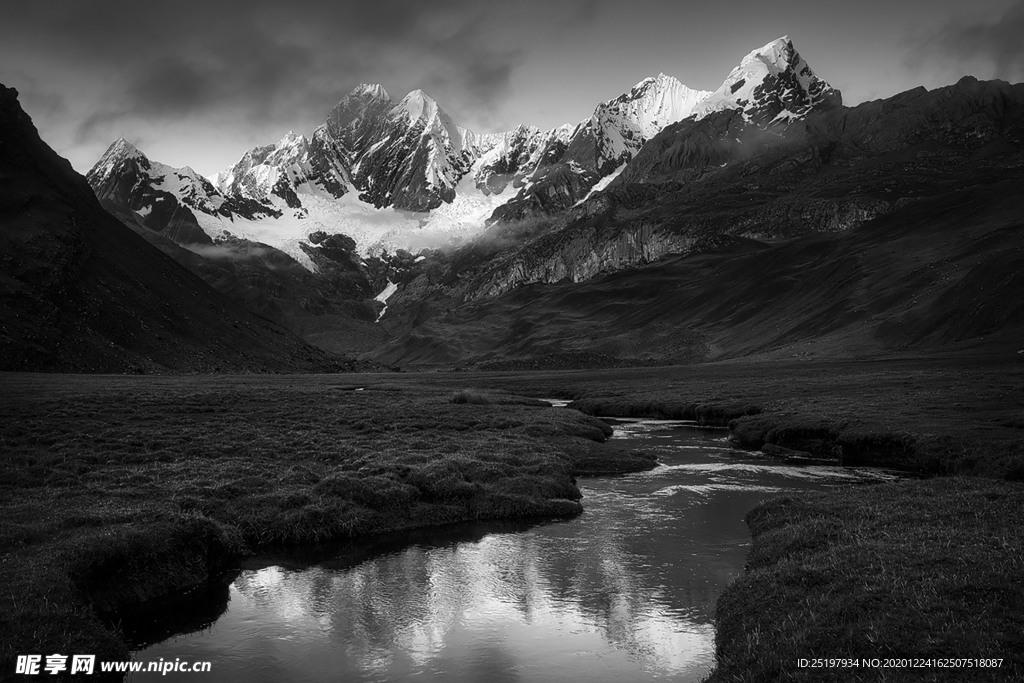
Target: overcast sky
198,83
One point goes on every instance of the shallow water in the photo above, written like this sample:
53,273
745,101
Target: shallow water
625,592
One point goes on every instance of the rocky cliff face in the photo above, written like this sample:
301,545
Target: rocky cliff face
581,255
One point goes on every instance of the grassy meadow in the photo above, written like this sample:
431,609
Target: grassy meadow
927,570
117,489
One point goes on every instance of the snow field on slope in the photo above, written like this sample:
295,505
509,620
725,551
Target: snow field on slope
374,230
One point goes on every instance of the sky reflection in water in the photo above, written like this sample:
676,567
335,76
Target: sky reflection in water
624,592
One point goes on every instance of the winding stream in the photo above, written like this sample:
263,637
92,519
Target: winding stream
625,592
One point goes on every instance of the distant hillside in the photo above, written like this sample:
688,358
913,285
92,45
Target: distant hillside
940,274
887,227
80,292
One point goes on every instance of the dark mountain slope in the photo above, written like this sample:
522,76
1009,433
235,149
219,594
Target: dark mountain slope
699,180
331,309
937,275
79,291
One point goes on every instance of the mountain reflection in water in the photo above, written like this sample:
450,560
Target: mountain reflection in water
626,591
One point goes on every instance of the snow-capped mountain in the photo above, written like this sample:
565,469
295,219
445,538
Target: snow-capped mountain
418,159
516,155
262,169
405,175
276,195
598,148
772,83
408,155
621,126
168,199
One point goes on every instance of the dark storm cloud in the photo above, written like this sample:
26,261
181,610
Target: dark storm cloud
1001,43
483,77
266,61
172,87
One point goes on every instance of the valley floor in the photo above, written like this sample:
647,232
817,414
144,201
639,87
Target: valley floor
114,489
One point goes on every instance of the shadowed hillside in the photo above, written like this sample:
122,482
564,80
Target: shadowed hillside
81,292
939,274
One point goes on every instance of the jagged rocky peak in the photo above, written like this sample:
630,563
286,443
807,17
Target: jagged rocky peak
112,165
118,151
121,148
622,125
226,180
290,149
772,83
260,169
165,199
370,91
654,103
363,105
514,156
418,106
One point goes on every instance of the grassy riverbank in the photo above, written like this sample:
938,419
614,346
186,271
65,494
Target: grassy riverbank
927,570
114,490
939,414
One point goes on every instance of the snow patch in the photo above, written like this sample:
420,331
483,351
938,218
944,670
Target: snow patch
602,183
383,298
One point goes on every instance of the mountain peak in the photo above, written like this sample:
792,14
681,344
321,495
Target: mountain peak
371,91
622,125
651,83
778,53
119,151
292,139
418,105
771,83
122,148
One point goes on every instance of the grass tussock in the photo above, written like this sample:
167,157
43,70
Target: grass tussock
469,396
473,396
705,413
922,569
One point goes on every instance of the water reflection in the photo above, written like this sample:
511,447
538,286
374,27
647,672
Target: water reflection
624,592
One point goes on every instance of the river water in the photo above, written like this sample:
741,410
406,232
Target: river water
624,592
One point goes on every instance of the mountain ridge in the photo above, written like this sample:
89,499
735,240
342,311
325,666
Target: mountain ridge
444,183
773,155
